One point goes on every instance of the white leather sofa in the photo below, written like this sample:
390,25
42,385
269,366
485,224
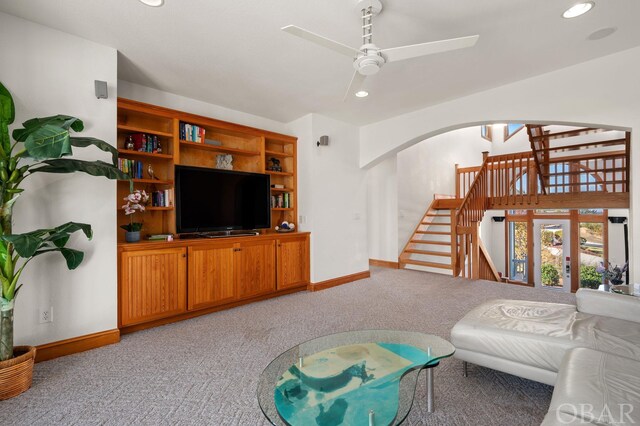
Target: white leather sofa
595,388
590,352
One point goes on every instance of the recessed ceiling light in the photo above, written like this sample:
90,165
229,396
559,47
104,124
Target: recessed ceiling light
578,9
153,3
362,94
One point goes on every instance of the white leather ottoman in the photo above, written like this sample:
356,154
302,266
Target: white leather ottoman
595,388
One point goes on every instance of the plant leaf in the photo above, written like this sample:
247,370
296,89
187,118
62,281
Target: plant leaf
7,115
65,122
7,107
71,227
73,257
48,141
94,168
25,244
82,142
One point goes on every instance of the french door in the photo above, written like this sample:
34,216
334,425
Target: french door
552,251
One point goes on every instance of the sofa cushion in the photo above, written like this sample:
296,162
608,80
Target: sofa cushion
596,387
606,304
538,334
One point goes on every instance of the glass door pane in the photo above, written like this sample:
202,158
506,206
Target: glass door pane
518,249
591,253
551,255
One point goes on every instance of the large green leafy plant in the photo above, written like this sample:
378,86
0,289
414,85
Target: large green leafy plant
42,144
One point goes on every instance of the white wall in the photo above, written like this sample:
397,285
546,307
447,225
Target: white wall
140,93
49,72
382,192
332,197
428,168
602,92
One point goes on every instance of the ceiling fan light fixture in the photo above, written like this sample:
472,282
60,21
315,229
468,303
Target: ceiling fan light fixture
362,94
152,3
578,9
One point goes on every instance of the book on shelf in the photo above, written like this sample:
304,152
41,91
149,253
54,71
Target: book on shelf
143,142
162,198
192,133
277,186
160,237
134,168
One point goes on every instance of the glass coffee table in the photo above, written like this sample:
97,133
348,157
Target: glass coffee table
354,378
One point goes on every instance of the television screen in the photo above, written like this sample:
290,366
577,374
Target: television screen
219,200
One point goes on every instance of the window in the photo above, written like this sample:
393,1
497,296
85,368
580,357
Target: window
511,129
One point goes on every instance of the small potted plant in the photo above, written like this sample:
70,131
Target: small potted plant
135,202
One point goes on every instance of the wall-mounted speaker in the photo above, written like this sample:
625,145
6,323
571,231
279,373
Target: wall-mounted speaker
324,141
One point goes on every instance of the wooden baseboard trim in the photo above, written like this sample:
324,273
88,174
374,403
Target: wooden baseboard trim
323,285
192,314
384,263
76,344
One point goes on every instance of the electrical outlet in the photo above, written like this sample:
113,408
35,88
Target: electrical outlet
46,315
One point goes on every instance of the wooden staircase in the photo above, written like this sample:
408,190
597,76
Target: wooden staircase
430,245
553,175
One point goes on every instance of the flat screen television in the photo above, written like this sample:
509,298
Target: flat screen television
221,200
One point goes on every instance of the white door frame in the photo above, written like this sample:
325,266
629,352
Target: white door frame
566,251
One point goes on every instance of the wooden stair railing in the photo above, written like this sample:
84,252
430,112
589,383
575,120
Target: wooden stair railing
539,149
488,270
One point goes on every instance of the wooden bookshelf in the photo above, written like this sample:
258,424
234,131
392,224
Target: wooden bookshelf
251,149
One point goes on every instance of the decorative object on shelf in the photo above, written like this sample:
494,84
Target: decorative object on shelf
224,161
275,165
159,148
286,227
130,145
212,142
44,142
612,273
151,173
136,201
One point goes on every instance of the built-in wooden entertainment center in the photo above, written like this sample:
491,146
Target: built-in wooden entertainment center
165,281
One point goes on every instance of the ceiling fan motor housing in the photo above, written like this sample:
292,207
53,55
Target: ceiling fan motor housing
369,61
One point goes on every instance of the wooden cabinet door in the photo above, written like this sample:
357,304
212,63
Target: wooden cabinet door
255,268
153,284
293,262
211,276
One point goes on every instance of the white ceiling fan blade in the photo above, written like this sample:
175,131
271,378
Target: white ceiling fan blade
322,41
356,83
407,52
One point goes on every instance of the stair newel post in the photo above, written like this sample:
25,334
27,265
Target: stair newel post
454,242
475,251
457,183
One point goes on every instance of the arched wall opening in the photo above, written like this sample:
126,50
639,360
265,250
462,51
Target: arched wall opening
400,190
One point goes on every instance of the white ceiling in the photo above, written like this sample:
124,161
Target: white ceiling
232,52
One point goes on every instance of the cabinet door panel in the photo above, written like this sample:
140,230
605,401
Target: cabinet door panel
211,276
293,262
153,285
256,268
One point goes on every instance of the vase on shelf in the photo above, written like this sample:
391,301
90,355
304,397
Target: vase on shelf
132,236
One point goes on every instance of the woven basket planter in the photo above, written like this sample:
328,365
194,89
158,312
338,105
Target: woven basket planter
16,373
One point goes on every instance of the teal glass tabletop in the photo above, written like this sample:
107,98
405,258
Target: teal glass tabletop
365,377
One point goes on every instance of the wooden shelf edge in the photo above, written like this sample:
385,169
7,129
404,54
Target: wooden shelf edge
269,172
152,181
282,189
144,154
278,154
143,130
218,148
282,209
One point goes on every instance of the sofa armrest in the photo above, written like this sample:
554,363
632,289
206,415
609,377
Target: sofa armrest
612,305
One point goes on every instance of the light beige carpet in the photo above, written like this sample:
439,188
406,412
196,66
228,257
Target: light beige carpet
204,371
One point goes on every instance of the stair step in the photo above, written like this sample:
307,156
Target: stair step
428,253
428,264
437,215
436,223
433,232
439,243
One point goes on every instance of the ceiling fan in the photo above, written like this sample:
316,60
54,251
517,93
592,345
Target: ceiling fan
369,58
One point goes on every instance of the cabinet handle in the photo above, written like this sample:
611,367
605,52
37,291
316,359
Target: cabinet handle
184,255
